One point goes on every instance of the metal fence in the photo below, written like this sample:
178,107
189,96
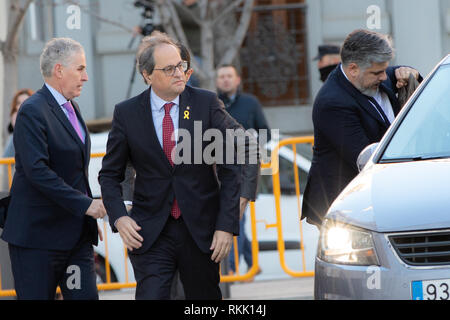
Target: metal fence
273,167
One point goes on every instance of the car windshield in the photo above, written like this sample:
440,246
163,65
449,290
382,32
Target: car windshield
425,131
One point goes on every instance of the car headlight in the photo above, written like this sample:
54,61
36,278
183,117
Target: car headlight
345,244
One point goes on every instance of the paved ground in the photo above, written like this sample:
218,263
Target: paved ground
286,289
292,289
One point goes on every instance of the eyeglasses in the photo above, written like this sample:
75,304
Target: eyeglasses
170,70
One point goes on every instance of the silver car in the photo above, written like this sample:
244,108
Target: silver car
387,235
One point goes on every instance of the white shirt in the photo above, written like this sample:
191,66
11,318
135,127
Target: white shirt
157,105
383,101
385,104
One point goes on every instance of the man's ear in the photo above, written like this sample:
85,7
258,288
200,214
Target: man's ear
147,77
353,69
189,73
58,70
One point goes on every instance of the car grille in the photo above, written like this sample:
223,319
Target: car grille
423,249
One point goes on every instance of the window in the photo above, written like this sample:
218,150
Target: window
425,131
40,22
273,56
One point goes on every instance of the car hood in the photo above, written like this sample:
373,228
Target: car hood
397,197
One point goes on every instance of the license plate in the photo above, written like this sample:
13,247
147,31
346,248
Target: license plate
431,290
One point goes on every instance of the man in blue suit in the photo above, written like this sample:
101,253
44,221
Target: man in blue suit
51,222
353,109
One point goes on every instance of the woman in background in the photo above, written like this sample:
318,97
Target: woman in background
17,101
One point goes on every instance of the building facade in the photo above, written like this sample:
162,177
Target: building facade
3,26
420,31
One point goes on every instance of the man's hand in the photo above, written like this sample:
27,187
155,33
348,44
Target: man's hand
96,210
128,229
242,206
402,75
221,245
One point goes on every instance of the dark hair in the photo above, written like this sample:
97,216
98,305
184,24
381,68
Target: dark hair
227,65
365,47
185,54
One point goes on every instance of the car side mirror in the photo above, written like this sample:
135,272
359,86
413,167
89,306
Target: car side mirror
365,155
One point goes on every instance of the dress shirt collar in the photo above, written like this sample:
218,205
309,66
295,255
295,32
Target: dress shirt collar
56,94
157,104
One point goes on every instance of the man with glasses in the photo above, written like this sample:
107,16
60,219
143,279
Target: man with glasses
180,218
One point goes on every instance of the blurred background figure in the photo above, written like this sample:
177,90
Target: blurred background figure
186,11
327,58
16,102
247,110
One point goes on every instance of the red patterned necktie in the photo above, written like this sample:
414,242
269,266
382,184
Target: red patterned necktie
168,145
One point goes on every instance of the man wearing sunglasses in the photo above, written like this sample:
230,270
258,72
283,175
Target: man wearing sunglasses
181,218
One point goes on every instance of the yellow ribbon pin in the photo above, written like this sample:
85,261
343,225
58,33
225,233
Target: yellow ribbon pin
186,115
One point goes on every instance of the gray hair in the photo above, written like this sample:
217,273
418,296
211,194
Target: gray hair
58,50
365,47
145,55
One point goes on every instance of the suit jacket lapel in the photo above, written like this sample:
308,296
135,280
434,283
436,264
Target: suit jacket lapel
358,96
87,140
186,116
186,113
56,109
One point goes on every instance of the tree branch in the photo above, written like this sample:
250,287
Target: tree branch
203,9
173,24
12,35
240,33
181,36
186,11
225,12
165,19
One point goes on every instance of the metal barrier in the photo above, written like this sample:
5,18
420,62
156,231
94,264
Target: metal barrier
255,249
274,166
277,194
9,162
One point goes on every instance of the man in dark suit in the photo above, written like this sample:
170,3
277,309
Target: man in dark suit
181,218
353,109
51,226
248,112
